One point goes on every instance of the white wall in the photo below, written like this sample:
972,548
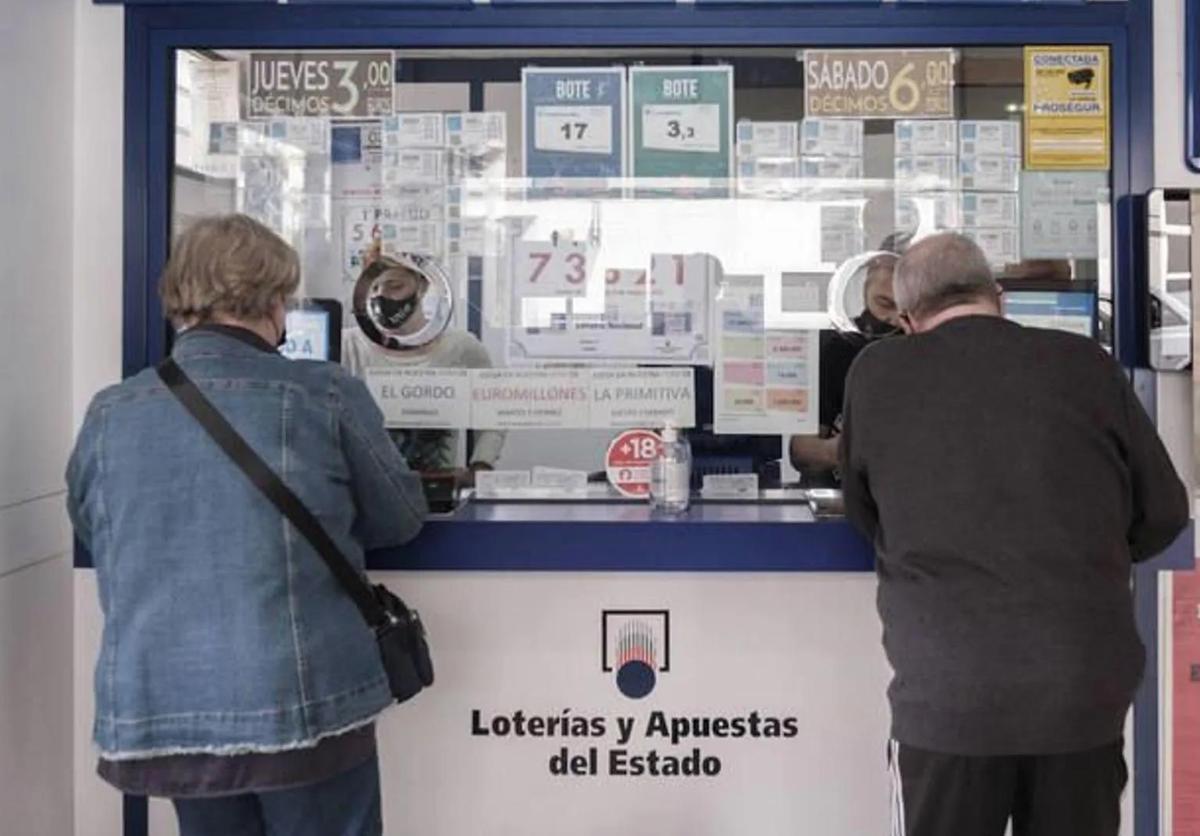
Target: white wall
98,155
36,63
96,325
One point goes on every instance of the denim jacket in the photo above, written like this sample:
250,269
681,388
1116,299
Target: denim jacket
224,632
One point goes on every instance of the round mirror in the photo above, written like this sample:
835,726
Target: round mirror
403,301
861,295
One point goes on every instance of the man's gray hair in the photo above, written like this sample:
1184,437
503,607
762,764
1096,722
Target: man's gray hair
941,271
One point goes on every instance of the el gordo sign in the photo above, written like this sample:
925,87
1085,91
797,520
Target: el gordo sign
879,83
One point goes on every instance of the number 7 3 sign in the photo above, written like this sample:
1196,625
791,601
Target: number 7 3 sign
542,269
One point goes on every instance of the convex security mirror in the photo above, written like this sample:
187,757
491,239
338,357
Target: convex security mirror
861,295
403,301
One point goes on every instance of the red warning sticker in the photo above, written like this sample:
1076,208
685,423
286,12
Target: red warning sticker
628,461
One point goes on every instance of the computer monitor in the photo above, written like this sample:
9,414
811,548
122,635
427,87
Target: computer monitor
314,331
1066,307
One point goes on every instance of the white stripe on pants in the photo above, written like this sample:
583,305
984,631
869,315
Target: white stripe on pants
898,825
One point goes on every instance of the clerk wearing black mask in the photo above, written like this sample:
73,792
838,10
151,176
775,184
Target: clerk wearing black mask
403,321
816,456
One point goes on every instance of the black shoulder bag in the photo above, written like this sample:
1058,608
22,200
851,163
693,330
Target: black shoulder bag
398,630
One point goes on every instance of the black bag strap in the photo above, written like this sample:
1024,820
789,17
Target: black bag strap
273,488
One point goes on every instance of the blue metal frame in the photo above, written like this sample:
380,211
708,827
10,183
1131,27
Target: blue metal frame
153,32
1191,83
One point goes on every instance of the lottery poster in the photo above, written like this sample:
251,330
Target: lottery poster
681,121
574,122
765,381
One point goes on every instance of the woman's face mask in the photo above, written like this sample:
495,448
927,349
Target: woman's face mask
280,320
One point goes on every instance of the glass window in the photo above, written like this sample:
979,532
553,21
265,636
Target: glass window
536,250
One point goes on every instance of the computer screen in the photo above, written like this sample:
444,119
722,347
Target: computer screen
313,331
1066,310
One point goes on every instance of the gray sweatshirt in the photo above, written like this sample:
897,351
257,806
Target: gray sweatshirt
1008,477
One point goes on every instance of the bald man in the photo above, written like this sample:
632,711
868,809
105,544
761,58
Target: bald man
1009,479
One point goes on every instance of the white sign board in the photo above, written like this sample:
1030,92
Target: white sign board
642,704
1060,211
422,397
765,381
504,399
414,130
682,127
303,135
573,129
659,314
544,269
643,398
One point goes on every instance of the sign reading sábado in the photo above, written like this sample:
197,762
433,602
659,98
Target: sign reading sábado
879,83
345,85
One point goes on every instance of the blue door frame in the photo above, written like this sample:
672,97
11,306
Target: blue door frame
153,32
1191,84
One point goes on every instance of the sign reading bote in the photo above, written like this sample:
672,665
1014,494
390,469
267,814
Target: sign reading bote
879,83
682,121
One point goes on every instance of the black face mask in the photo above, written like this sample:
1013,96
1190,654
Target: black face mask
393,313
872,327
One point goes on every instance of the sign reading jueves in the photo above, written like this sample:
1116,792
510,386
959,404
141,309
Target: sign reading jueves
879,83
347,85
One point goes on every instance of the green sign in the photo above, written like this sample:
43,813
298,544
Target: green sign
682,121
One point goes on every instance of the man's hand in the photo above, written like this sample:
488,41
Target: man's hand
813,452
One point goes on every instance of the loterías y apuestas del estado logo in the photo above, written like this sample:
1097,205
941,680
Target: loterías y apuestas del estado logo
635,652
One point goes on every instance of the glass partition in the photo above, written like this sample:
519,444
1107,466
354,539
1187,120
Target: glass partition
536,251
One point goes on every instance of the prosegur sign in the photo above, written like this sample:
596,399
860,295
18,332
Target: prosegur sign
340,85
1067,108
879,83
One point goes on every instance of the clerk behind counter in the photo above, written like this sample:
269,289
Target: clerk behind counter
816,456
403,307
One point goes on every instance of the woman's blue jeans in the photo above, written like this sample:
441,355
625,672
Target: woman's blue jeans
344,805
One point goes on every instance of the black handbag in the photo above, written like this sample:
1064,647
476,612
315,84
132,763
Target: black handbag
403,646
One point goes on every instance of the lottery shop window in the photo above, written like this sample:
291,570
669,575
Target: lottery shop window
534,251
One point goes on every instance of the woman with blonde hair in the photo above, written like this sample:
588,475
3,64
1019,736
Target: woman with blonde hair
235,675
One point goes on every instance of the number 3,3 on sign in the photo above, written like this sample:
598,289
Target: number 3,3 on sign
682,127
540,269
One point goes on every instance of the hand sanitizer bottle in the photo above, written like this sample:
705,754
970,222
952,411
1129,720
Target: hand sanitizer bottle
671,473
